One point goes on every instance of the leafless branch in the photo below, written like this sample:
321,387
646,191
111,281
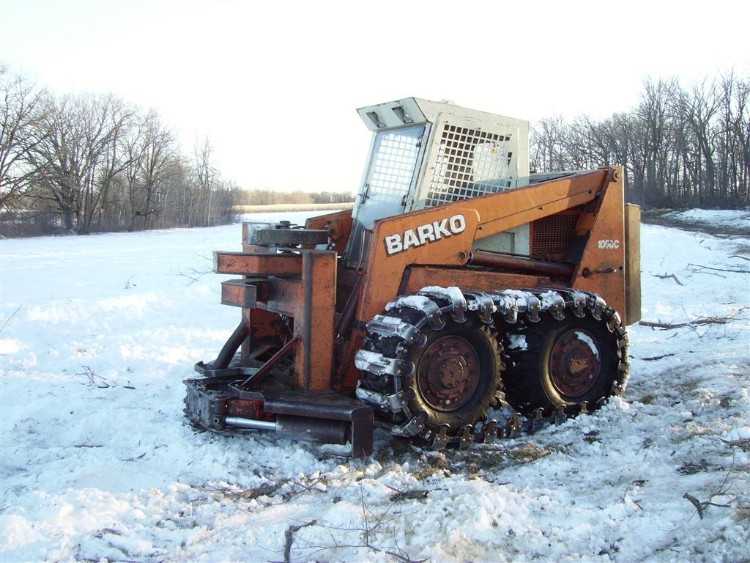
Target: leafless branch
6,322
289,538
668,276
370,529
734,271
654,358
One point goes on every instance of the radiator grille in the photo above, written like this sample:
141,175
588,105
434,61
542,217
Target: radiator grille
552,236
469,163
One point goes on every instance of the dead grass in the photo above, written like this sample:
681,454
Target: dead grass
692,430
744,444
742,512
528,453
647,399
687,386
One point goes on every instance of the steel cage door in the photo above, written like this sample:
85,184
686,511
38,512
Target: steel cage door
391,174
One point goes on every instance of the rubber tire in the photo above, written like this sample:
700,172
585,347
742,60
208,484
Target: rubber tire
528,384
484,342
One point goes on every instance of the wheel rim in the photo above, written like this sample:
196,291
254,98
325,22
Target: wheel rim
575,363
448,373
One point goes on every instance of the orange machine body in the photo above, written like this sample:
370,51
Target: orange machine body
317,306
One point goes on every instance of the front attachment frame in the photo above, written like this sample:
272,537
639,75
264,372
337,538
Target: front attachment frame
221,404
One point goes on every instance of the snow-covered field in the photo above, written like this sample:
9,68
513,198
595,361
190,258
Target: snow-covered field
97,334
737,219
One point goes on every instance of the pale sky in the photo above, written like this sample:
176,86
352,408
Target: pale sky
274,84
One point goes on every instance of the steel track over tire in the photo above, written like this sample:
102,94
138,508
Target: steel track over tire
456,374
575,353
437,357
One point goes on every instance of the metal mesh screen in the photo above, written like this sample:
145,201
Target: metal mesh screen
393,165
552,236
469,163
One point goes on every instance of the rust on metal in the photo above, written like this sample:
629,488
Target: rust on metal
484,217
448,373
417,277
520,265
309,304
632,263
315,321
339,226
257,263
267,367
603,257
574,363
244,292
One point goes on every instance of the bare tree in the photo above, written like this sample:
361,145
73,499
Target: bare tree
679,147
79,154
206,176
151,159
19,109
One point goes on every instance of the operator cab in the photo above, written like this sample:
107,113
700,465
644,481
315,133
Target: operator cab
425,154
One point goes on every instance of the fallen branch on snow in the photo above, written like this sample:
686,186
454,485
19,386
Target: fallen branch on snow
667,277
289,538
654,358
697,322
410,494
734,271
95,380
372,530
194,275
700,321
700,506
723,488
10,318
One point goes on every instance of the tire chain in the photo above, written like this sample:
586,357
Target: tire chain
384,357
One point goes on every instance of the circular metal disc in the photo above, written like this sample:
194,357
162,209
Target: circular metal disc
448,373
574,363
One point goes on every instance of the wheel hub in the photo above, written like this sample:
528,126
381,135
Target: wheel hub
574,363
448,373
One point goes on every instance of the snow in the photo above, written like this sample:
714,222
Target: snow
735,218
551,299
585,338
454,294
98,332
517,342
413,301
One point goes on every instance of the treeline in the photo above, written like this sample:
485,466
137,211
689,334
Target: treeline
681,147
268,197
88,163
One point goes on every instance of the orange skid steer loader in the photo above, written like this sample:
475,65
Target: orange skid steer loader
459,282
